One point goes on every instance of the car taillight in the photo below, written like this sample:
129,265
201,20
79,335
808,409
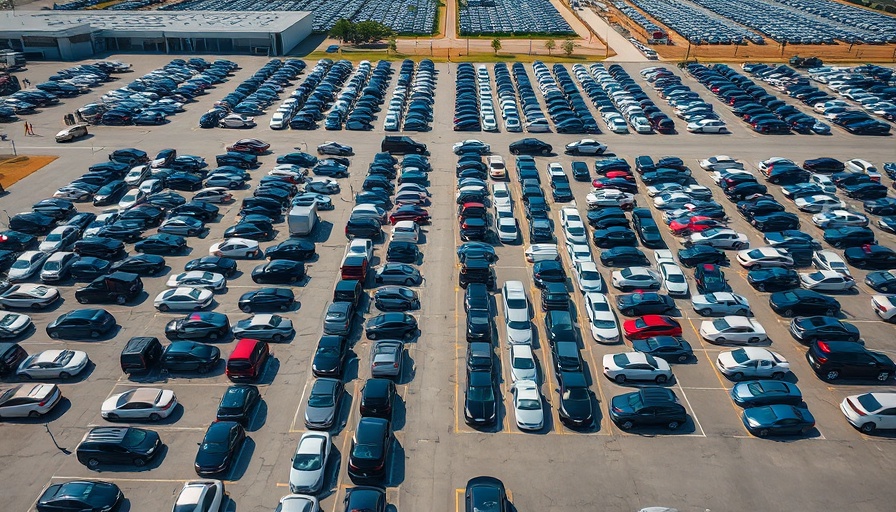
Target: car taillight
880,307
616,409
821,360
168,405
378,467
43,402
824,347
853,407
394,365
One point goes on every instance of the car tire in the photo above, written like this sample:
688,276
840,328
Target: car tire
64,375
868,428
753,340
409,282
371,335
778,376
883,376
163,308
626,425
545,152
620,379
672,425
661,379
112,417
139,462
832,375
93,463
94,334
246,308
830,312
82,300
276,338
788,313
629,312
202,369
761,287
213,336
737,376
154,417
762,432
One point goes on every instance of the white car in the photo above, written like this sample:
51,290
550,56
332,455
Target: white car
636,278
884,306
752,363
578,252
542,252
200,496
735,330
663,256
497,170
818,203
134,197
604,326
569,214
539,125
586,147
308,470
516,312
672,200
237,121
824,182
507,229
72,132
235,248
720,162
617,124
764,257
609,197
501,196
708,126
636,366
27,295
198,279
640,124
213,195
826,281
184,298
479,146
298,503
151,186
575,232
362,246
59,239
720,238
53,364
278,121
323,186
522,363
527,407
587,276
659,189
406,231
391,122
13,324
721,303
870,411
136,175
489,123
674,280
291,171
28,400
26,265
768,163
838,219
150,404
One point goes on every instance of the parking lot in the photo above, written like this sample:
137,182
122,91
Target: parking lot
710,463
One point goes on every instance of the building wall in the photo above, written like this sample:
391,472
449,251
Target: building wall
291,37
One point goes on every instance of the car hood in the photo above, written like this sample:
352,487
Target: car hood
577,409
211,461
319,415
533,417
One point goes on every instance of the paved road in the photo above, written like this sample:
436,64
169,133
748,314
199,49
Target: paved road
625,50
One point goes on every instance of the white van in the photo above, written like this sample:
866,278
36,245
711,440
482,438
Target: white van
302,220
542,252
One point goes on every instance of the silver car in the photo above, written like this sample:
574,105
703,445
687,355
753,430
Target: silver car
265,327
323,404
721,304
309,464
385,358
338,318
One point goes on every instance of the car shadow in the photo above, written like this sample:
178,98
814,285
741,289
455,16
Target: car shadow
343,414
258,417
61,408
408,369
271,368
244,458
395,473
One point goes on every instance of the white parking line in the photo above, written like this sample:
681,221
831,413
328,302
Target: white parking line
693,413
292,428
160,428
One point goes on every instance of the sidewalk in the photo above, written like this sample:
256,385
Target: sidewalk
625,50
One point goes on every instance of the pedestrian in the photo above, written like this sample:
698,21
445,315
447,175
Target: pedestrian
26,82
27,131
30,129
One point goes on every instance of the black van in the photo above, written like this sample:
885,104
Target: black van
11,355
118,287
402,145
476,271
348,290
140,354
118,445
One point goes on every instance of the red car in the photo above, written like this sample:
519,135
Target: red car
620,174
695,224
649,326
410,212
251,146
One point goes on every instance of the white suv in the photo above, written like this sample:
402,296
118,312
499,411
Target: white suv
516,313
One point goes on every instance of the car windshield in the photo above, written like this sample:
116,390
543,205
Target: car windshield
214,447
720,324
307,461
320,400
604,324
755,254
528,405
675,278
589,275
740,356
53,237
134,437
620,359
21,264
52,265
523,363
640,323
518,324
816,276
481,393
575,394
869,402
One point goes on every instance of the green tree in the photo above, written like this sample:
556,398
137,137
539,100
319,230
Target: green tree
550,44
343,30
496,45
393,44
568,47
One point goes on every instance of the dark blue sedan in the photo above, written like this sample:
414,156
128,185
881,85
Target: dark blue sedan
777,419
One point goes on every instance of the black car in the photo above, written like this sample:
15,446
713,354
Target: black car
773,279
370,449
253,227
623,257
701,254
141,264
151,215
617,183
56,208
884,282
575,409
777,221
803,302
219,448
80,496
32,223
117,287
377,397
129,156
279,272
607,217
480,403
540,230
190,356
710,279
823,165
400,298
118,445
89,268
267,299
849,236
183,181
402,252
530,146
479,325
548,271
671,348
392,325
124,230
81,323
554,296
485,493
368,499
291,249
648,406
16,241
647,228
330,356
221,265
363,227
238,403
832,360
884,207
866,191
166,200
875,257
202,210
202,325
644,303
615,236
807,329
161,243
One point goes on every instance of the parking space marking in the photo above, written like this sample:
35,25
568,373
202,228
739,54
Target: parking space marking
118,479
158,428
691,407
295,418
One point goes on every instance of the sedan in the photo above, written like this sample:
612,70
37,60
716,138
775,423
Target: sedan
884,282
722,238
26,265
803,302
754,393
721,303
161,244
644,303
648,326
334,148
826,281
35,296
182,225
206,325
527,407
140,404
267,298
80,496
636,278
386,359
396,298
309,463
323,403
291,249
585,147
752,362
235,248
279,271
28,400
53,364
219,448
700,254
871,257
480,403
869,412
636,366
81,323
731,329
330,356
13,324
484,493
707,126
398,273
183,298
265,327
198,279
670,348
778,419
391,325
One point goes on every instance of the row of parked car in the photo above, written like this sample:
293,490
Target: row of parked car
564,102
868,87
689,106
697,25
253,95
621,102
344,108
66,83
411,106
506,17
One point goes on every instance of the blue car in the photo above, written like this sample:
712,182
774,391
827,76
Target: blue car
754,393
777,419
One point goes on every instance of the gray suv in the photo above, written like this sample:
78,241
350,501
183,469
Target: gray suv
338,319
